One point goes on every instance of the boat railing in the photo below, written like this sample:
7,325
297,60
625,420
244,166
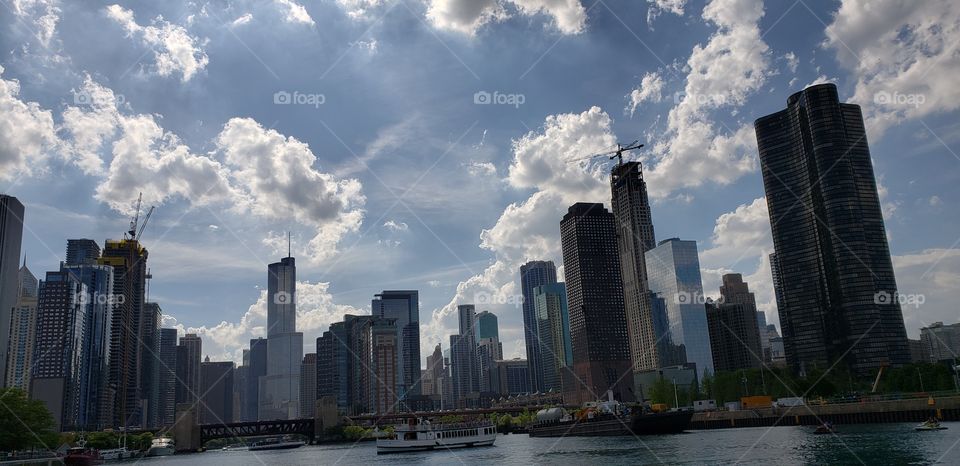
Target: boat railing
442,426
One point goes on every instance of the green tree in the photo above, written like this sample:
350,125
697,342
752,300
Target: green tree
25,424
354,433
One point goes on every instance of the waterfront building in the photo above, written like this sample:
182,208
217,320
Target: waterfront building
333,365
598,323
216,391
730,328
837,291
489,349
940,342
463,354
129,261
58,370
23,325
257,367
308,386
358,363
150,363
553,322
674,276
98,304
189,352
11,235
635,236
404,307
167,378
532,275
511,377
279,392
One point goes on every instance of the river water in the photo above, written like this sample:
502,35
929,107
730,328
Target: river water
873,444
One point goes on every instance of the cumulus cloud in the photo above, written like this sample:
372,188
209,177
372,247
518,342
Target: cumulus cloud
359,9
174,49
656,7
904,55
27,132
731,66
243,19
295,12
393,225
44,14
650,90
469,16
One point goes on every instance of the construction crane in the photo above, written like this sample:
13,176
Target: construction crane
617,153
133,231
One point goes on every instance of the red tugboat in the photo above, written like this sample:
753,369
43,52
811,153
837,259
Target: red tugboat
80,455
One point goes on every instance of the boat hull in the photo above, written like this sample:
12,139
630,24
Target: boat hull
402,446
160,451
646,424
276,446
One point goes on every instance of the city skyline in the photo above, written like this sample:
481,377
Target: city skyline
720,214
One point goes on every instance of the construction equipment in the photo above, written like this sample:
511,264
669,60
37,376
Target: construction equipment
617,153
133,232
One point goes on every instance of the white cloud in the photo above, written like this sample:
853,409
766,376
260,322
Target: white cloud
469,16
295,12
659,6
733,64
359,9
650,89
934,275
792,61
395,226
482,169
27,133
244,19
899,52
45,15
174,49
935,201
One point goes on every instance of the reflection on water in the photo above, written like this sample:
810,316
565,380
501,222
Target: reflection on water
873,444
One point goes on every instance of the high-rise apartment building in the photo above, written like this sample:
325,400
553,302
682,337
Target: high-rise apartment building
487,326
532,275
635,236
729,325
82,252
939,342
673,269
23,326
58,370
837,296
189,352
404,307
598,322
463,355
216,391
308,385
167,378
257,367
553,321
280,388
150,322
11,235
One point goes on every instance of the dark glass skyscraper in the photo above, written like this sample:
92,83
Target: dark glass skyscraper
532,275
404,307
11,234
839,295
598,322
167,380
280,389
82,252
635,236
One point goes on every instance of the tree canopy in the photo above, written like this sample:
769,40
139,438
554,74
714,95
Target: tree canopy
26,424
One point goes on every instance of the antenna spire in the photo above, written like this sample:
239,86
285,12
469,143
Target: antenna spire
288,244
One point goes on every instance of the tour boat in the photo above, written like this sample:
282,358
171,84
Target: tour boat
162,446
930,424
419,435
274,444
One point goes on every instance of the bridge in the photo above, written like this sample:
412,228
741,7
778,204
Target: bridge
303,427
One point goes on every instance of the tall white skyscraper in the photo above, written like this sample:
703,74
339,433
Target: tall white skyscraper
11,234
279,396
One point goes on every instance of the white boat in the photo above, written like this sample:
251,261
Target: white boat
162,446
275,444
419,435
117,454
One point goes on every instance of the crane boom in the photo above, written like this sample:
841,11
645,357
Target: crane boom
146,218
618,153
136,218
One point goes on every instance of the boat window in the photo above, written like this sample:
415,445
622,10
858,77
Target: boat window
410,436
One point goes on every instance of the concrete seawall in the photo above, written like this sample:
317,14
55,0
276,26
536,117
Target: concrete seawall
868,412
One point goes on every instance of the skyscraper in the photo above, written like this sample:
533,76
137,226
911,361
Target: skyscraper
940,342
436,371
167,378
188,369
673,269
98,306
635,236
404,307
487,326
150,363
216,388
839,294
463,354
598,322
730,325
489,348
553,320
736,291
58,348
23,326
280,388
11,235
308,385
532,275
82,252
333,377
129,261
257,368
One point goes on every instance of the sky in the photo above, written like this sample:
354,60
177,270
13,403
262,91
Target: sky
434,144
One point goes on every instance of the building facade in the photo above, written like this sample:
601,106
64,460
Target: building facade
553,322
729,324
598,322
279,391
257,367
167,378
404,307
23,327
674,277
216,391
532,275
833,266
11,235
940,342
308,385
189,352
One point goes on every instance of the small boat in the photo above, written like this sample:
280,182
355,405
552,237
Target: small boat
930,424
80,455
274,444
162,446
825,428
421,435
